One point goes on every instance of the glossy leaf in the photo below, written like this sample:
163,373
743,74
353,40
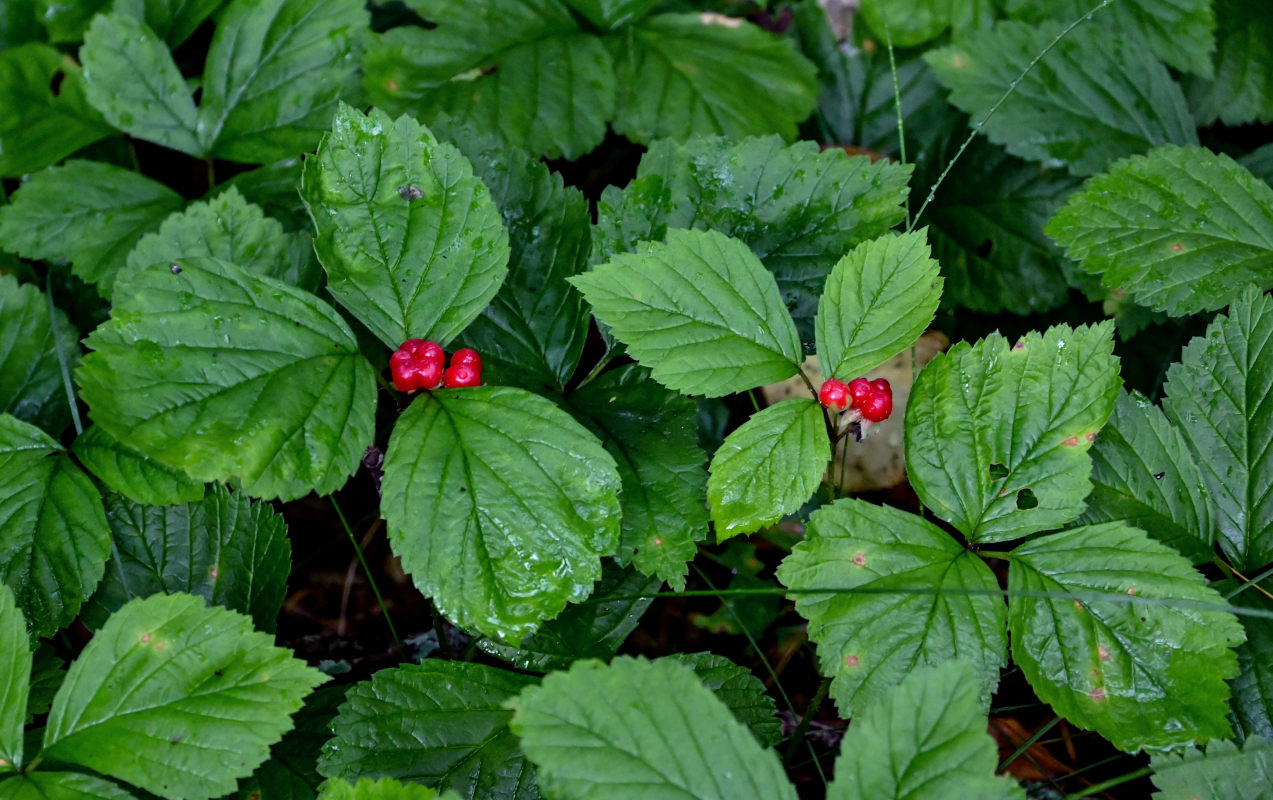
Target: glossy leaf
171,20
1140,674
1252,687
31,384
15,681
870,641
402,222
612,14
639,729
167,690
183,374
997,437
40,128
383,789
669,301
858,106
741,691
1222,771
65,20
1092,98
53,535
60,786
124,470
878,299
919,21
440,723
1181,229
924,738
1241,90
500,506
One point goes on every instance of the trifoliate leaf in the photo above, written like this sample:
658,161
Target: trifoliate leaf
40,128
171,20
500,506
768,467
669,301
1242,89
1146,674
741,691
1181,229
227,375
1252,687
878,299
53,535
60,786
638,729
176,698
918,21
15,681
440,723
88,213
124,470
1222,771
31,382
869,641
410,239
1092,98
924,738
383,789
997,436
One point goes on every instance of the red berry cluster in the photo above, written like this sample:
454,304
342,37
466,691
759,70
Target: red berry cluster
417,364
872,399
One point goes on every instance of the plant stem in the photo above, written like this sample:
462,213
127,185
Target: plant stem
802,728
1092,791
1247,583
61,359
1027,744
367,571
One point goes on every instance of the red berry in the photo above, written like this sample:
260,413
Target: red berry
881,386
417,364
467,356
834,394
860,389
462,375
877,407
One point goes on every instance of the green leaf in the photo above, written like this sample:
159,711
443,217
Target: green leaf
1180,32
653,435
740,690
799,210
440,723
918,21
1219,396
124,470
520,69
500,505
1092,98
41,128
612,14
1242,89
273,187
176,698
639,729
66,20
402,223
878,299
226,227
276,70
924,738
1140,674
671,300
869,641
226,549
171,20
31,386
131,78
1181,229
18,24
15,680
858,106
685,75
383,789
53,535
60,786
997,436
1222,771
768,467
1253,686
85,212
183,374
47,672
1145,476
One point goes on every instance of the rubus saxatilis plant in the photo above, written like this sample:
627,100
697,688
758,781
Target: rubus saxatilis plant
1091,512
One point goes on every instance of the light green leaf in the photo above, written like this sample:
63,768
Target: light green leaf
1242,89
131,78
15,680
924,738
612,14
1222,771
638,729
912,23
740,690
171,20
228,375
798,209
124,470
383,789
878,299
869,641
176,698
1253,686
768,467
40,128
500,506
31,386
1092,98
1140,674
226,549
53,535
60,786
997,436
685,75
1145,476
653,435
411,241
670,301
1180,229
440,723
85,212
276,70
66,20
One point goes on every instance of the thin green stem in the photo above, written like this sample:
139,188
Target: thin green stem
797,736
1092,791
61,358
439,630
212,173
1006,556
375,589
897,105
1027,744
1248,584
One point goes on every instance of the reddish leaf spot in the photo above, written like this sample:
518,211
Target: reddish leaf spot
393,87
1176,247
1020,345
1071,442
860,559
1097,694
1132,590
1091,436
851,661
1103,652
145,638
213,574
160,645
657,541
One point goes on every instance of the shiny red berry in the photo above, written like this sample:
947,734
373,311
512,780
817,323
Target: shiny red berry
462,375
834,395
860,390
417,364
877,407
466,356
882,386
